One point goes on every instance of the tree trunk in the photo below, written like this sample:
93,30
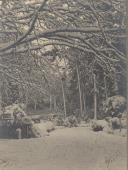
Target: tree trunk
105,86
62,79
0,98
84,103
80,94
55,109
26,102
95,98
1,90
50,101
116,84
64,99
35,104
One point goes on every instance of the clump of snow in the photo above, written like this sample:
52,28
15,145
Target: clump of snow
42,129
99,125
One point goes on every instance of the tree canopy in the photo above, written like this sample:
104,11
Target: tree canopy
87,36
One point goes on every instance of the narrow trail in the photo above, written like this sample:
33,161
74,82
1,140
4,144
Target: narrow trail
65,149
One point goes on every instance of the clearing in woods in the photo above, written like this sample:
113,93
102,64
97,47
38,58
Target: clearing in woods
65,149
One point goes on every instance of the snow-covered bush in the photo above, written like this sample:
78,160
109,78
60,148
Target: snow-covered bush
115,105
98,125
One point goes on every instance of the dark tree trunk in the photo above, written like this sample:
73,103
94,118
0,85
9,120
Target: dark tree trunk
50,102
55,105
26,99
105,86
35,104
84,103
95,98
64,98
80,93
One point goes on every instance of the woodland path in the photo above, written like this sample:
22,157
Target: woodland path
65,149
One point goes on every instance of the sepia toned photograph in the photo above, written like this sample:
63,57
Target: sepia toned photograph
63,85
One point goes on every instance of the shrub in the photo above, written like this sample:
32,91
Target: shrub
98,125
115,105
115,123
71,121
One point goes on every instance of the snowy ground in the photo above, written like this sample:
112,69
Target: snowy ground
65,149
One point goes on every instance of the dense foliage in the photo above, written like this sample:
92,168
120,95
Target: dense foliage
65,55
